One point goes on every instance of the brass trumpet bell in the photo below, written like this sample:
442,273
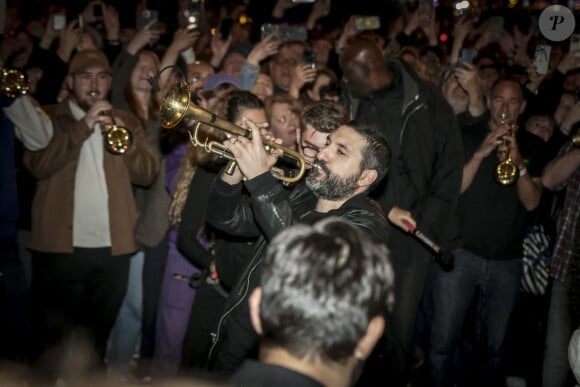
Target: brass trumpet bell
177,105
13,83
506,172
118,139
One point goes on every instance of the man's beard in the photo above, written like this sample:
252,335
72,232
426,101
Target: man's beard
332,187
84,103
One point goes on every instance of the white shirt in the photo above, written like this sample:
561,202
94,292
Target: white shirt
91,198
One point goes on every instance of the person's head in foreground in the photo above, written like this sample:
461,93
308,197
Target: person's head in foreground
319,309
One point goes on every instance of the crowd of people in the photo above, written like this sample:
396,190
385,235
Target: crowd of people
313,246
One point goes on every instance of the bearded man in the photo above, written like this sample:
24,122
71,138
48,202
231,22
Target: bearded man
354,159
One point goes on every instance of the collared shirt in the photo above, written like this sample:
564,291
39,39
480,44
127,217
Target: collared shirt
564,248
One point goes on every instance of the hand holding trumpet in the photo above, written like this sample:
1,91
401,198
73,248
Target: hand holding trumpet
252,157
99,113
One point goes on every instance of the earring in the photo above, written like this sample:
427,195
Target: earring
359,355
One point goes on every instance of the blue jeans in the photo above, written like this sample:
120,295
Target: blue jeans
125,336
498,283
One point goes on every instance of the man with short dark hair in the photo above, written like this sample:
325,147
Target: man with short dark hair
354,159
335,282
491,217
424,181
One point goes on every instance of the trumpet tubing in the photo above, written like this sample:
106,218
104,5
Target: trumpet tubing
176,106
506,171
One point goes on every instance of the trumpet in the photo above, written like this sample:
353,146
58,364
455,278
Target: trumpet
177,104
13,83
118,139
506,171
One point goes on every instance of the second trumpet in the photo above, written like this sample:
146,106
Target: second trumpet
118,139
506,171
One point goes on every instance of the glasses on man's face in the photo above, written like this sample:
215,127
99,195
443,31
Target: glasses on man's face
309,150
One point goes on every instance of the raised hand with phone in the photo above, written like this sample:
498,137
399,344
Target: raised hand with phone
144,36
265,48
304,73
320,9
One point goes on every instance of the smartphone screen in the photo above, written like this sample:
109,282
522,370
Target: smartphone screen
309,58
148,15
465,56
293,33
269,29
59,21
364,23
542,58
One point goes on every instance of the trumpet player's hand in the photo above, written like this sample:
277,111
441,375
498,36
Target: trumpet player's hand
490,142
251,156
98,113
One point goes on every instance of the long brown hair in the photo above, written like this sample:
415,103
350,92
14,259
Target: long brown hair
154,101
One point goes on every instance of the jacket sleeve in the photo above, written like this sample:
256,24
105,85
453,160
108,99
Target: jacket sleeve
140,160
193,217
64,147
436,209
229,210
429,172
271,204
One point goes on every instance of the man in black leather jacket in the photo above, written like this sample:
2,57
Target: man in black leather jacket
425,178
354,160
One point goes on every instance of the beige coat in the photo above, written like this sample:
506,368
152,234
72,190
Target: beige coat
55,168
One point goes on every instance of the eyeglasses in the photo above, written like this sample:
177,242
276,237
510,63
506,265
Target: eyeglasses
309,150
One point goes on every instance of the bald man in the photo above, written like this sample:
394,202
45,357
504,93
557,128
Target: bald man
425,178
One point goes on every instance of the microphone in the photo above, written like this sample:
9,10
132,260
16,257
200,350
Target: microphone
154,84
445,259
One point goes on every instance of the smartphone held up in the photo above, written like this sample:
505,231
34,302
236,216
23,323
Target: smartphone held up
542,58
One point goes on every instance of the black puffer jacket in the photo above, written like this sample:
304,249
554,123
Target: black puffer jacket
269,209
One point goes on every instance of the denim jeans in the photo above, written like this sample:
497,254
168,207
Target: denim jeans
498,284
556,368
126,333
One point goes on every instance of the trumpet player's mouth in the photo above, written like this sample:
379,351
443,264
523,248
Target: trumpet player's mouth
319,167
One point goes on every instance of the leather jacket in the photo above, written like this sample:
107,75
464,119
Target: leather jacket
268,209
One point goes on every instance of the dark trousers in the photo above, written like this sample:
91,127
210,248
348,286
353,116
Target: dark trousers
205,314
153,269
76,293
14,304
